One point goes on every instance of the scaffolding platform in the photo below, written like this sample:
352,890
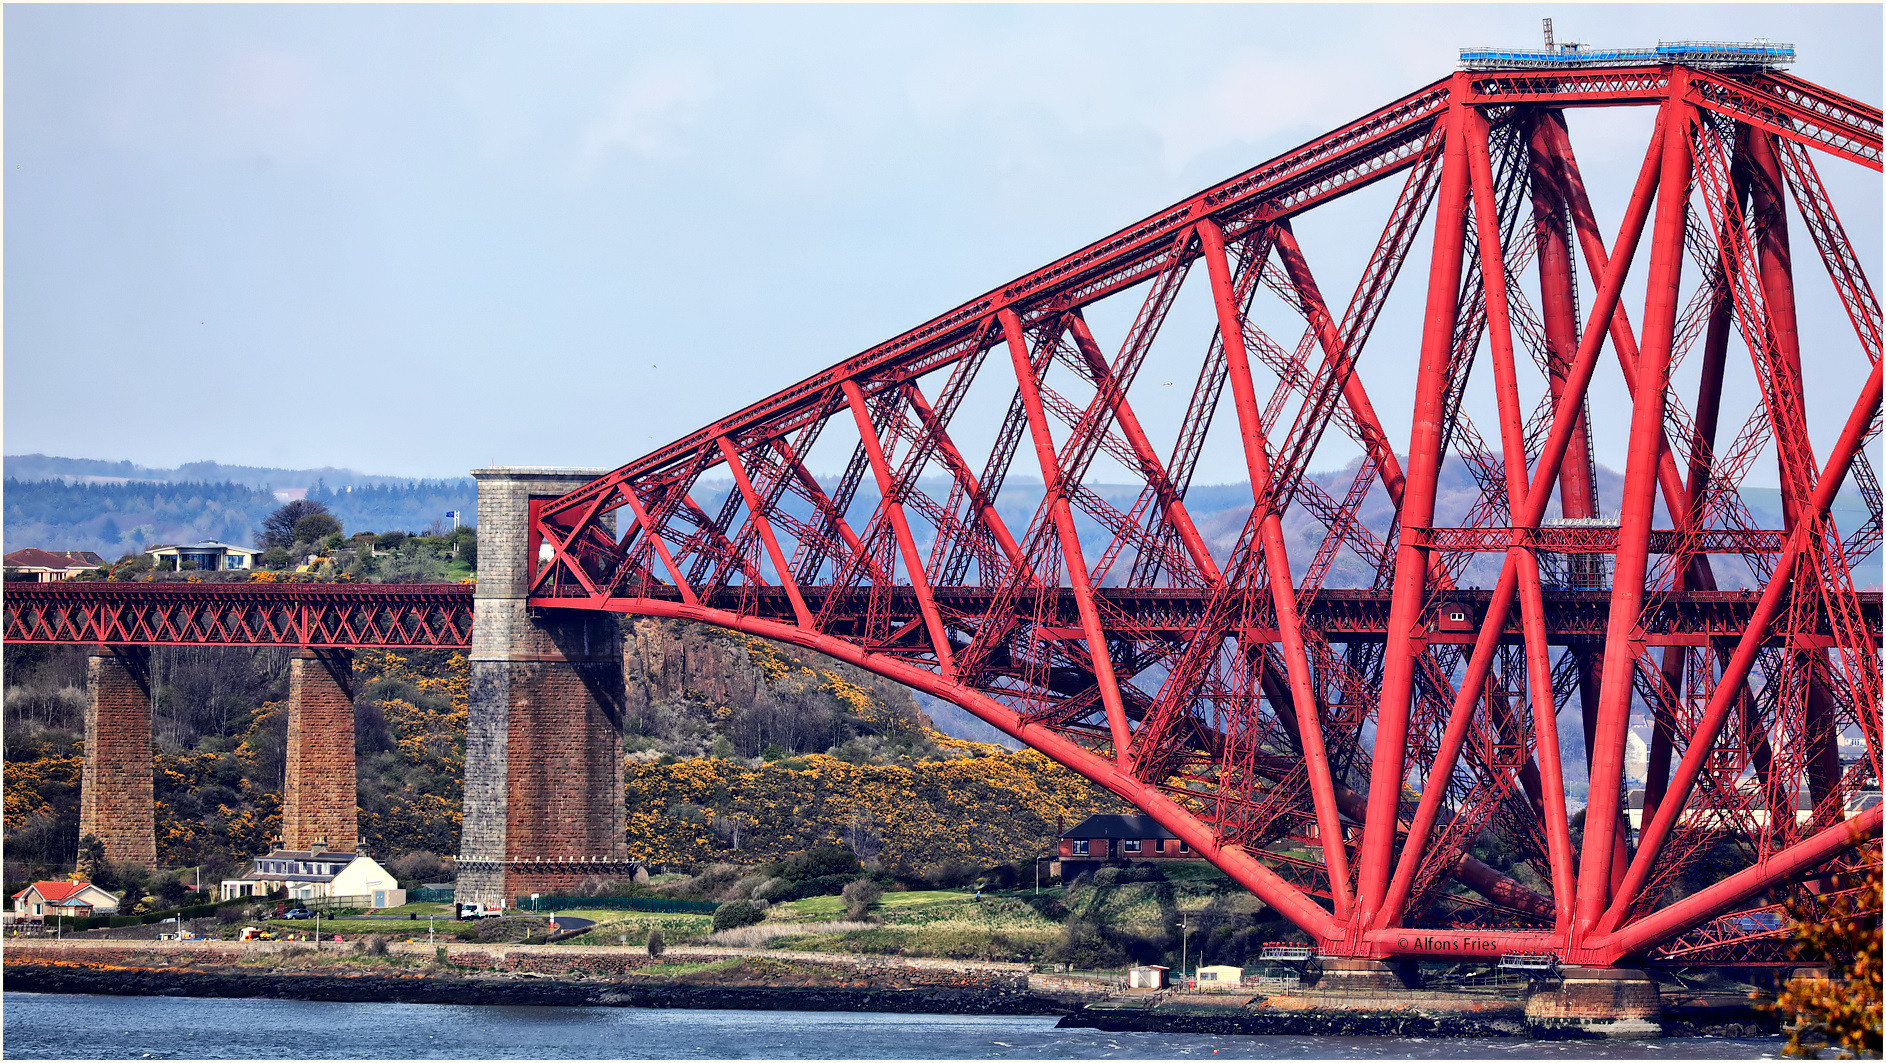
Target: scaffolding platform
1707,55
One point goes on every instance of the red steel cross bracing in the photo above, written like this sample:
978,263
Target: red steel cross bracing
417,616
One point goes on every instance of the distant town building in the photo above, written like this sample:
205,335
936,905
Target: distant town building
1754,814
1094,841
70,899
33,565
207,556
318,874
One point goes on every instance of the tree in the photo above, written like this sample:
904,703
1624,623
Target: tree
92,863
1842,1012
278,528
316,527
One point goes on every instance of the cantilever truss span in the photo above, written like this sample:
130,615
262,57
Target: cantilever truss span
1400,764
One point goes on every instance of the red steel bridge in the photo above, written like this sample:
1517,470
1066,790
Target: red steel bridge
1315,699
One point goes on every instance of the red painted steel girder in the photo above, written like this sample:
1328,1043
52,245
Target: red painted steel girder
1315,700
416,616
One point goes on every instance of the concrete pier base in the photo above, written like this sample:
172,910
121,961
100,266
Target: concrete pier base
116,797
1363,976
1610,1002
321,799
543,750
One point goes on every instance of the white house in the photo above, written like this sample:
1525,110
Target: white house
72,899
318,874
207,556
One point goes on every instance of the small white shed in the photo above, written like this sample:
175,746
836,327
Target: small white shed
1151,976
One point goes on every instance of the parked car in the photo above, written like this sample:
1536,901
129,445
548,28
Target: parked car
298,913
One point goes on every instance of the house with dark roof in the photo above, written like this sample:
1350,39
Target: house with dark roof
1099,840
71,899
33,565
317,873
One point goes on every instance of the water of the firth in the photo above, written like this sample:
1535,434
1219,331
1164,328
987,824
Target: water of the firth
57,1026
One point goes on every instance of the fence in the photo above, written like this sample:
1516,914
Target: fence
633,904
425,896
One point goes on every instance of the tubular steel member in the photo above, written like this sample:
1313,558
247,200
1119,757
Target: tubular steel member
1343,728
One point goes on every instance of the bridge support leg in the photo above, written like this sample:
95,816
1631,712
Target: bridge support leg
543,748
1613,1002
116,804
321,802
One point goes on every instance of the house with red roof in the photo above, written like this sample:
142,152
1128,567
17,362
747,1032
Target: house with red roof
41,899
33,565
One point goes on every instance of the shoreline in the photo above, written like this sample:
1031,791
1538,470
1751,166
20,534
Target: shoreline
764,980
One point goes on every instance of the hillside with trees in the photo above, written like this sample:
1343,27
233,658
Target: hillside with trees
114,508
737,749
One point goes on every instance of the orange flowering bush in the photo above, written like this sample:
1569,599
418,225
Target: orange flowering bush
1841,1012
994,806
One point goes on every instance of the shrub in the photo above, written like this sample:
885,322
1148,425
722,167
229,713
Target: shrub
781,889
1087,943
860,896
818,862
419,866
371,945
710,883
656,946
737,913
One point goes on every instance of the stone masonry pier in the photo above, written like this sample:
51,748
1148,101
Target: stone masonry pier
543,749
116,786
321,797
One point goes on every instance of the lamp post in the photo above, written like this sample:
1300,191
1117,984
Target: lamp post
1185,944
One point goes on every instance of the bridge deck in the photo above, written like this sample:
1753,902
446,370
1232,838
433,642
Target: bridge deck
414,616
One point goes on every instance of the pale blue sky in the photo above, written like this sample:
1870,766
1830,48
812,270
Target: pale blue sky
414,240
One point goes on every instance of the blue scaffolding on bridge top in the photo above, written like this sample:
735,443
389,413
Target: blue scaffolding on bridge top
1714,55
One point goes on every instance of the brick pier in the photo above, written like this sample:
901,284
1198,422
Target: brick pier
1614,1002
321,796
543,748
115,788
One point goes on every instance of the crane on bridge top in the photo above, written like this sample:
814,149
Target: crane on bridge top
1760,54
